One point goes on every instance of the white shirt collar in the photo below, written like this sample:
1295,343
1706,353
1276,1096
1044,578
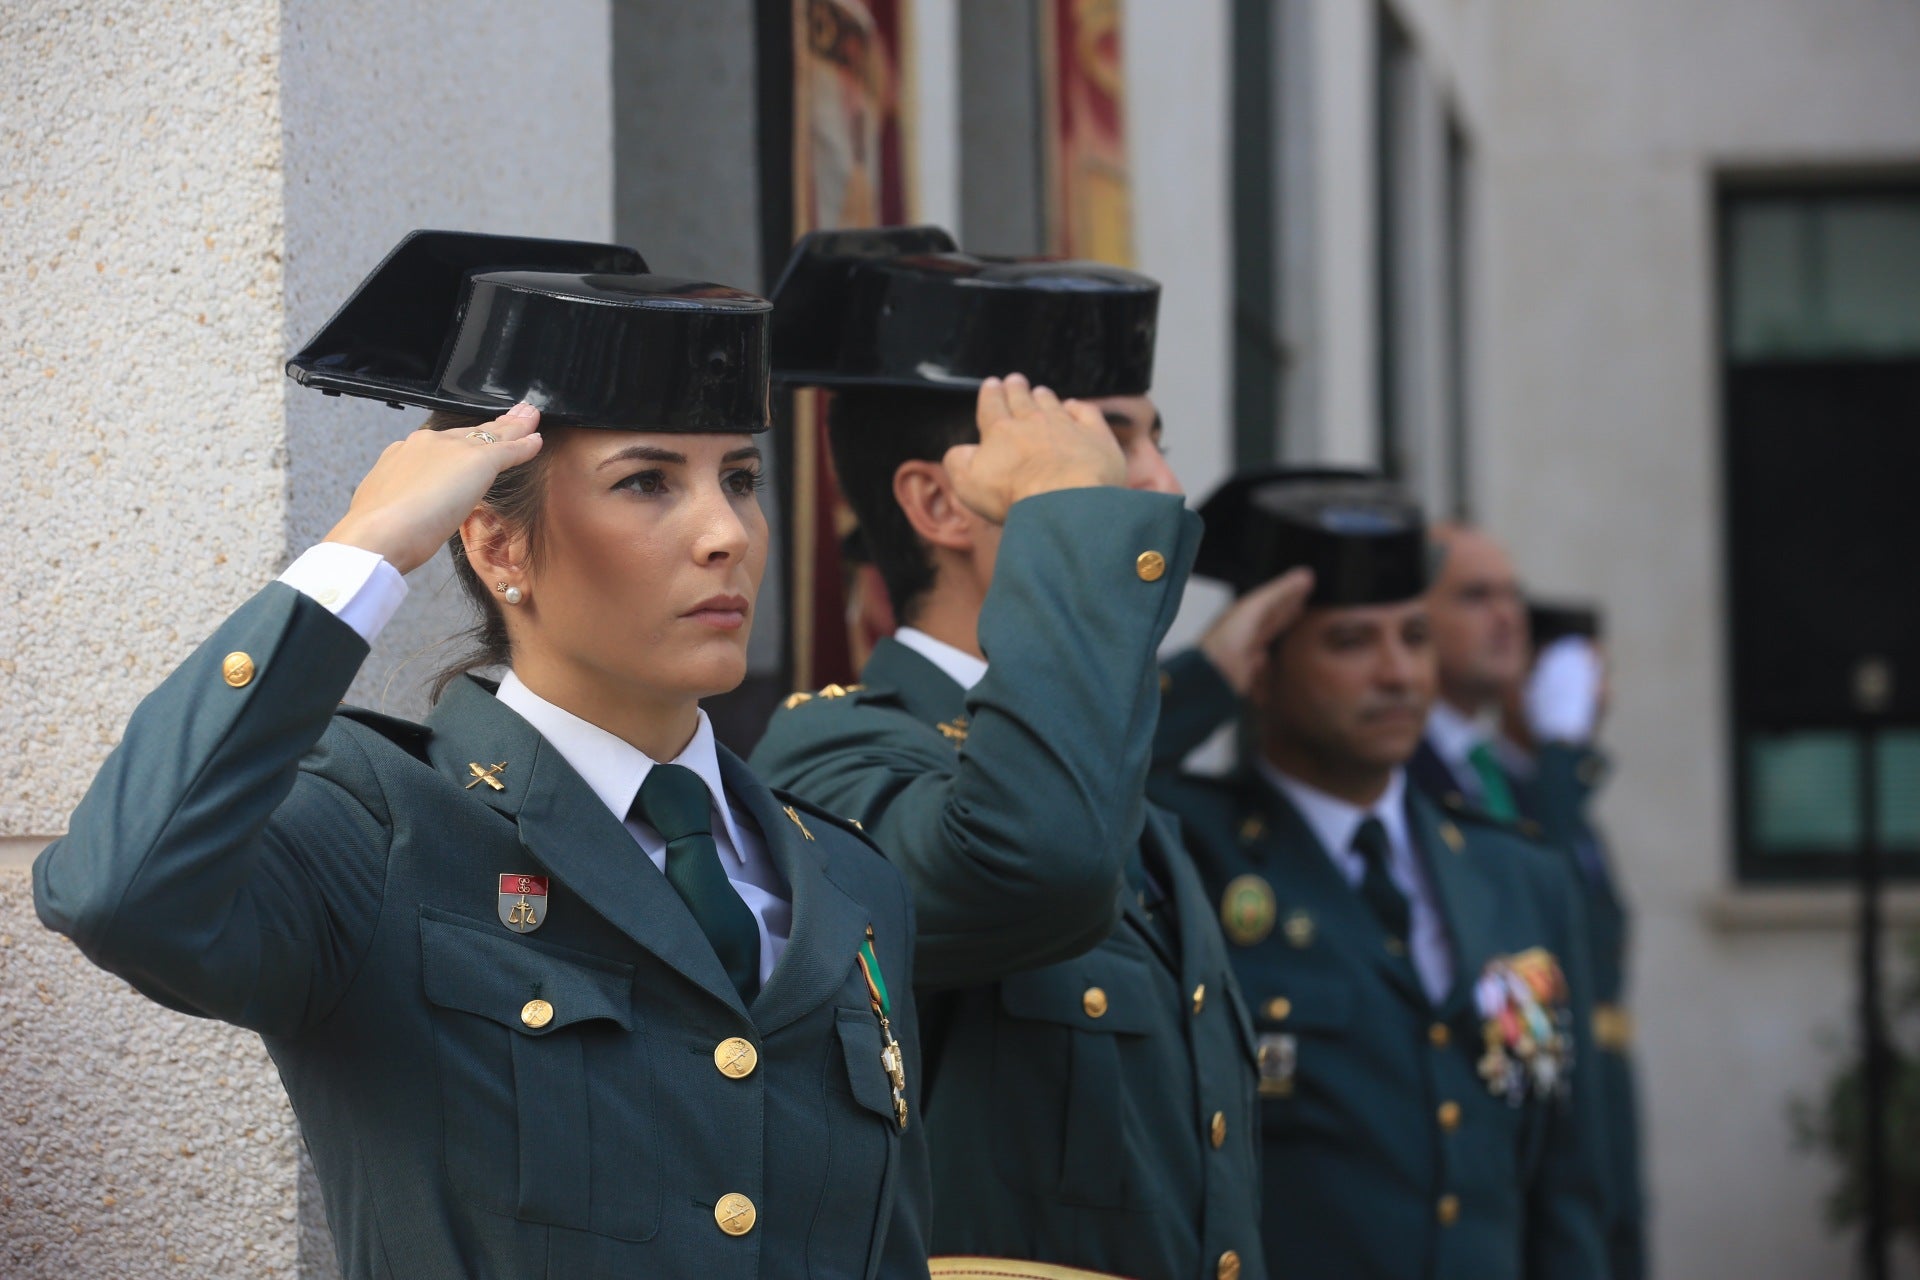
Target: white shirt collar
960,666
1453,733
613,768
1334,821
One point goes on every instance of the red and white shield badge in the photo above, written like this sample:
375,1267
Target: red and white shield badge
523,902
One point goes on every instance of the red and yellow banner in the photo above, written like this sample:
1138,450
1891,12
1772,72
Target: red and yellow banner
1089,204
852,167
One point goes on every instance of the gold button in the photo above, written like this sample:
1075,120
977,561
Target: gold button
1200,997
1448,1210
1229,1268
237,668
536,1013
1279,1008
1449,1116
735,1214
1094,1002
1151,566
1217,1131
1438,1036
736,1058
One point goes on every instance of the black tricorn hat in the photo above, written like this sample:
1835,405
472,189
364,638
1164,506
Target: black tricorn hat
904,307
474,323
1364,539
1548,621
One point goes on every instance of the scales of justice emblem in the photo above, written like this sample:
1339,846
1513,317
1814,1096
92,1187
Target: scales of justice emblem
523,902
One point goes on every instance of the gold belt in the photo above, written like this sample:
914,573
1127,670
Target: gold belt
1612,1028
957,1268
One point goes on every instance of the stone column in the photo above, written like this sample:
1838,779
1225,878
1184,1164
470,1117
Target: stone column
187,191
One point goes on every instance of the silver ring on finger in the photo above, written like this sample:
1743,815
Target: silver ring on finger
484,437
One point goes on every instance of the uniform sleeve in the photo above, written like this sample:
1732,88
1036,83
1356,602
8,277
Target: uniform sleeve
1014,844
1566,1201
1559,792
205,865
1195,700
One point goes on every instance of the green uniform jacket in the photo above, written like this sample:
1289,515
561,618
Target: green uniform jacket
330,878
1090,1091
1386,1157
1557,797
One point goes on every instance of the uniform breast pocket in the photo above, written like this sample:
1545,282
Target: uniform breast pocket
863,1135
1059,1061
1297,1023
546,1091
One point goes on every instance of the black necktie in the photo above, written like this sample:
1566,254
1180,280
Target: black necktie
1377,888
674,801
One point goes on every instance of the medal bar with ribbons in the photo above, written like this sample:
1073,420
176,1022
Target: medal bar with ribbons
890,1057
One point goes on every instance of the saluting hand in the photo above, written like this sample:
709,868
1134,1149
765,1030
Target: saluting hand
1031,443
1240,641
424,486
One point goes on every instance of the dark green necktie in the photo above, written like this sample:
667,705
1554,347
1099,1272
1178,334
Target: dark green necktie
674,801
1495,795
1377,888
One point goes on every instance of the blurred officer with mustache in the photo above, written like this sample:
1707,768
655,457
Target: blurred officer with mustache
1418,975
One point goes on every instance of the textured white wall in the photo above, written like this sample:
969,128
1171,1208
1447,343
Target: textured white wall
133,1142
1599,460
141,325
492,116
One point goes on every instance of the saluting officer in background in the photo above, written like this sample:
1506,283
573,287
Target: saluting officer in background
1418,976
1480,640
1090,1083
1549,748
556,985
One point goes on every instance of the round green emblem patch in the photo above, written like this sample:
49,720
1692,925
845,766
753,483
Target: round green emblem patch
1247,910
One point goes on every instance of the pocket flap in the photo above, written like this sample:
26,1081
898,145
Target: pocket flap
470,967
1305,1004
1104,990
861,1045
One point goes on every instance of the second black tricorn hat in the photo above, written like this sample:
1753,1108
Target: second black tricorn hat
1364,538
905,307
1550,620
473,323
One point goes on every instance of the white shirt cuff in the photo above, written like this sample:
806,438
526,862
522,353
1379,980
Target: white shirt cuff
357,586
1563,698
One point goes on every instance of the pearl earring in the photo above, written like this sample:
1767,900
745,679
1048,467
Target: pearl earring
513,594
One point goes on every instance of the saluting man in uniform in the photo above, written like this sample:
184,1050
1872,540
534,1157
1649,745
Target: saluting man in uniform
1090,1082
1418,976
1549,750
556,985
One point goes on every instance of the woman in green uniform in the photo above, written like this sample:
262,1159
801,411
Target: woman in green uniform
556,986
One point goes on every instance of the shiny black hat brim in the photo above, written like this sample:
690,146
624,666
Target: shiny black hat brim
1258,526
903,308
470,324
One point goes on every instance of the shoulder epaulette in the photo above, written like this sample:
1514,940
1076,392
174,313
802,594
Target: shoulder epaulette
1458,809
408,735
828,693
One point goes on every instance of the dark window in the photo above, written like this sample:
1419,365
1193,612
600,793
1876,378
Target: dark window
1459,353
1395,74
1821,437
1258,347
